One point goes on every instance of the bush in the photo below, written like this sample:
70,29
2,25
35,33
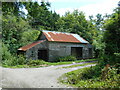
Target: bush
83,74
9,59
21,60
79,78
36,62
5,52
10,62
14,60
67,58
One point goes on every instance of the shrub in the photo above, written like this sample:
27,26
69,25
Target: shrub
82,78
10,62
21,60
14,60
36,62
67,58
5,52
117,57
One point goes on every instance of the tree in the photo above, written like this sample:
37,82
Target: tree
97,42
112,33
13,32
39,16
12,8
76,22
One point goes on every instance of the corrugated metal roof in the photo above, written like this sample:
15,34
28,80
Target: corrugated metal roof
24,48
63,37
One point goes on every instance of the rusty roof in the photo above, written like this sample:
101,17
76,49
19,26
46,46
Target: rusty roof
24,48
63,37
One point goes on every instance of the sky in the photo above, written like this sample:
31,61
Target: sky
89,7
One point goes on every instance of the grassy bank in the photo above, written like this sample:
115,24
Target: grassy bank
86,78
80,65
37,63
70,62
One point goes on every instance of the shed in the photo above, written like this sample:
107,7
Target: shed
52,45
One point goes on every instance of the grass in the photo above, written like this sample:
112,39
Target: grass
79,79
25,66
80,65
69,62
45,64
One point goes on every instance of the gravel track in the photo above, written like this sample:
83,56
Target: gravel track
43,77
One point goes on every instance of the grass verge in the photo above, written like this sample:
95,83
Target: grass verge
69,62
45,64
83,78
80,65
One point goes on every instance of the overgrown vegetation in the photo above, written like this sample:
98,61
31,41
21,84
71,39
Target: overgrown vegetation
103,33
36,62
77,65
83,78
66,58
39,63
106,73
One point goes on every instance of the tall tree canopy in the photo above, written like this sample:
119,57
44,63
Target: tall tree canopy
39,15
112,33
76,22
11,8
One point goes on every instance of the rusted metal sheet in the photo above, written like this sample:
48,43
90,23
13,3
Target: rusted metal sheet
24,48
63,37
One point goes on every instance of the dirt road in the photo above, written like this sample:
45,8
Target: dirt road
44,77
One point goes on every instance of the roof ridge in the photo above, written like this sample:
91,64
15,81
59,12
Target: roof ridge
57,32
63,37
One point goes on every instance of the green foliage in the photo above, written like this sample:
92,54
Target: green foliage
36,62
67,58
21,60
9,59
39,15
82,78
112,33
27,65
11,8
76,22
13,28
29,36
117,57
17,32
97,36
14,60
5,52
79,65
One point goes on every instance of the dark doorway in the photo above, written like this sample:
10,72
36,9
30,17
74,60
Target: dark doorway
42,54
77,52
19,52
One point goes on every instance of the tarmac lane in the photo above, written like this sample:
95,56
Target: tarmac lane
43,77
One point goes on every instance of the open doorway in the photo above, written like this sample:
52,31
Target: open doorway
77,52
43,54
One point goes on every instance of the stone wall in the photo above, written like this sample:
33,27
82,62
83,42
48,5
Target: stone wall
32,53
57,49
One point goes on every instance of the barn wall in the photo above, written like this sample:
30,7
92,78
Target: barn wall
57,49
32,53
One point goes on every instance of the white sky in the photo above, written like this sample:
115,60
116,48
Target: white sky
89,7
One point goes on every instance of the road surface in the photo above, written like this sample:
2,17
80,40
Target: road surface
43,77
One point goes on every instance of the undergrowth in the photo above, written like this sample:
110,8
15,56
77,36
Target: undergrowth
22,63
92,77
77,65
